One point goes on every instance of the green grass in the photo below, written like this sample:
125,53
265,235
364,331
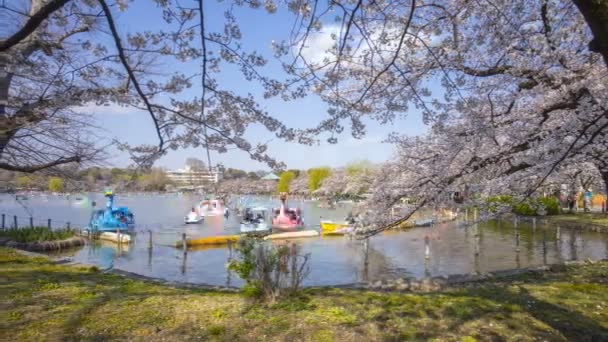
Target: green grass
33,234
42,301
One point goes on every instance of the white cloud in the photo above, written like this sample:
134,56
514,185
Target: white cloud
318,44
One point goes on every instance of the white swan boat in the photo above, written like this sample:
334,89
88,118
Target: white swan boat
212,208
193,217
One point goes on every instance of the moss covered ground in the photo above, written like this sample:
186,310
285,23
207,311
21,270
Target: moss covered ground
44,301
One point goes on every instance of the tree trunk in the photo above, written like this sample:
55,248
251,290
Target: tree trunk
5,81
595,13
605,179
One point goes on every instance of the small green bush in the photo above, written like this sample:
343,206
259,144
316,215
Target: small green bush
551,205
529,207
270,271
526,208
494,202
33,234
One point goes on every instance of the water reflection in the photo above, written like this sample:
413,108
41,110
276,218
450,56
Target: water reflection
451,248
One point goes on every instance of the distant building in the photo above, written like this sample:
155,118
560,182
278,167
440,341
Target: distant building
188,176
271,177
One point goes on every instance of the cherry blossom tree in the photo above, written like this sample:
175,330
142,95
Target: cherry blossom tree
300,184
511,89
333,184
58,55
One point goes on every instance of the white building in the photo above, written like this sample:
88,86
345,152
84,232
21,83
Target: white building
187,176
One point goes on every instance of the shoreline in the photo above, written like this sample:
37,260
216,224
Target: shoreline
397,285
49,301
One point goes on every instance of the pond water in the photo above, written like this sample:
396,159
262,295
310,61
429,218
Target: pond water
333,260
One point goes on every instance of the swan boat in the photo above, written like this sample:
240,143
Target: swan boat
213,207
193,217
111,219
254,220
285,218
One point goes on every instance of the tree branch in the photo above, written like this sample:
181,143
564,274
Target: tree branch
32,24
34,168
125,63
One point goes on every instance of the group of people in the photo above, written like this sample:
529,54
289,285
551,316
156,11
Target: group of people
250,217
572,200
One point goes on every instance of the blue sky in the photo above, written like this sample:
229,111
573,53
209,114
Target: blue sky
259,29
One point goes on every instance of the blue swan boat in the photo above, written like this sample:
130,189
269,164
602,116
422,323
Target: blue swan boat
111,218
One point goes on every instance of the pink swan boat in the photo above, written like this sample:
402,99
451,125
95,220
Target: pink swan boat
287,219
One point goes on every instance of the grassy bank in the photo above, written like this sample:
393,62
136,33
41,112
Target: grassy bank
580,219
33,234
44,301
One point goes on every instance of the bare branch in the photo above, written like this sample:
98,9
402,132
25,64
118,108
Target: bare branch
32,24
34,168
125,63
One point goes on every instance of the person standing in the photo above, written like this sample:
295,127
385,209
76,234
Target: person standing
588,200
571,200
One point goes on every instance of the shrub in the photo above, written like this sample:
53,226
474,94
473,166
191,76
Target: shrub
33,234
269,271
528,207
495,202
551,205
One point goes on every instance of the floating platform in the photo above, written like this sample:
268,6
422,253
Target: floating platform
209,241
292,235
114,237
337,233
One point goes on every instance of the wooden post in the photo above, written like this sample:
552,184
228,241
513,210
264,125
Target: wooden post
31,222
48,223
427,248
366,250
544,246
229,243
3,218
573,253
184,243
149,239
184,258
15,219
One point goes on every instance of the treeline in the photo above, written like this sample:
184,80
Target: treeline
90,179
351,181
354,179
